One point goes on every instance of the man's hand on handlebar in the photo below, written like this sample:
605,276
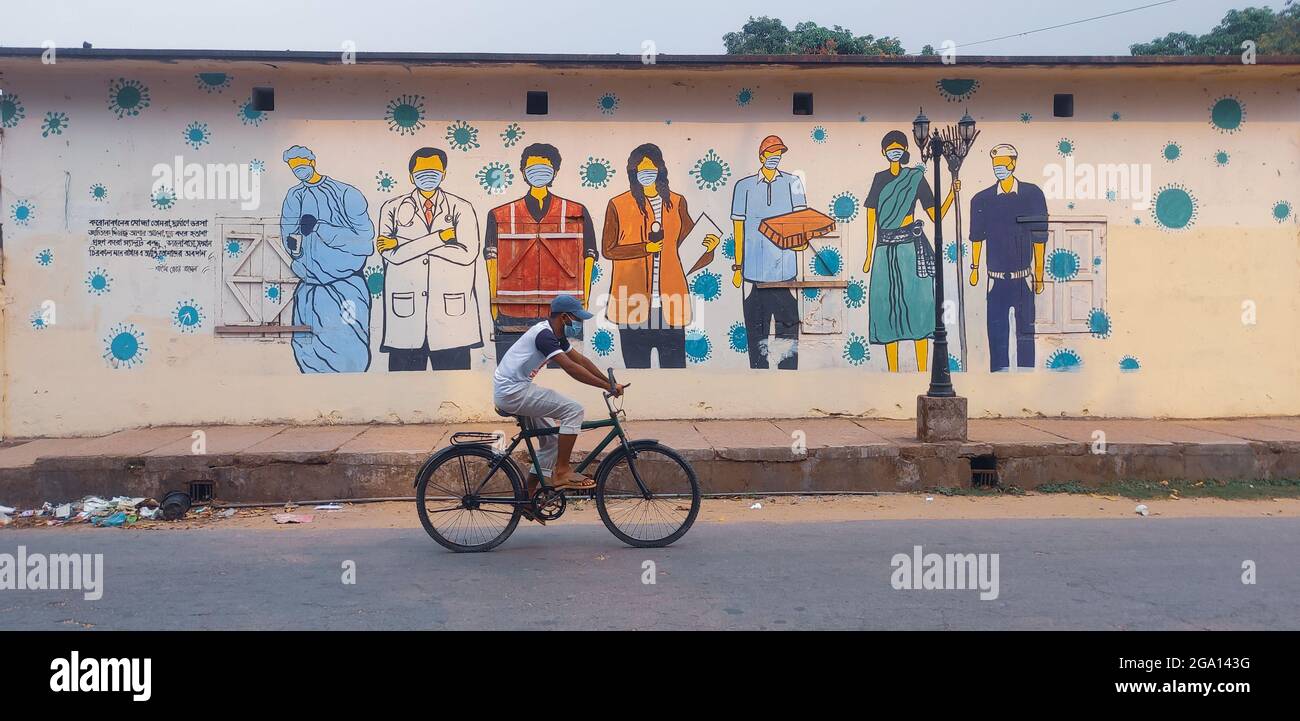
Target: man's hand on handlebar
616,389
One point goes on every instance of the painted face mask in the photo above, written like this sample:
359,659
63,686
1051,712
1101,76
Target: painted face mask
894,155
539,175
304,172
428,179
771,162
1001,172
647,177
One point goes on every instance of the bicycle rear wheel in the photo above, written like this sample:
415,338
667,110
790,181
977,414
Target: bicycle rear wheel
658,510
461,507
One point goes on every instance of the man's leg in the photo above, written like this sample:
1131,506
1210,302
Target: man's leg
756,327
1024,305
544,403
636,347
785,308
413,359
998,326
672,347
449,359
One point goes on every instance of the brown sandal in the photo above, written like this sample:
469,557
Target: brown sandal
577,481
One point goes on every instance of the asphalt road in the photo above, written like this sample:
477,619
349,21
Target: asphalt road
1053,574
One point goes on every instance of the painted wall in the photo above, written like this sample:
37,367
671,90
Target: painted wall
114,288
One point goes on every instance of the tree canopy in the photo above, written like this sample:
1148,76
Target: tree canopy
770,36
1273,33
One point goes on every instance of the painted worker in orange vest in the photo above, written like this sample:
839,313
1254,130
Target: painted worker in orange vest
537,247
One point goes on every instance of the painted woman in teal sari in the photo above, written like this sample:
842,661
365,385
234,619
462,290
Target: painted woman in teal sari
900,260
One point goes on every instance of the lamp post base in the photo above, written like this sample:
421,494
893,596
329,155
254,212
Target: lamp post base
940,419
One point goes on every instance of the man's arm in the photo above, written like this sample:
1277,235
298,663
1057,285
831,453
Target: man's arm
585,361
580,372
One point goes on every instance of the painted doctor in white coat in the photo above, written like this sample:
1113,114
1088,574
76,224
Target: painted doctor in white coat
430,244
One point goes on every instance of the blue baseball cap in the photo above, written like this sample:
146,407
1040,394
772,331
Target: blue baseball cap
569,304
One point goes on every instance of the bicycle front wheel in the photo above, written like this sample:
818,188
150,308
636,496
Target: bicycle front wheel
461,506
647,494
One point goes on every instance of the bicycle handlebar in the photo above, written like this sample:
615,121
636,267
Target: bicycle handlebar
612,382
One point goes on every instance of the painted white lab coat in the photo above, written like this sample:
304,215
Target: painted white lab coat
428,283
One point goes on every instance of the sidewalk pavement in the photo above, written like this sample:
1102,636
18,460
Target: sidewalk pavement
279,463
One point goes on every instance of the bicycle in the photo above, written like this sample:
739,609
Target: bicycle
470,496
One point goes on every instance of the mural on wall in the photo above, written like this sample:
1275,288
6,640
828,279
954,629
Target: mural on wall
326,229
1010,218
645,228
430,244
535,248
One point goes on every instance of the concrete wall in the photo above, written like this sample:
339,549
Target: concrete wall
1188,309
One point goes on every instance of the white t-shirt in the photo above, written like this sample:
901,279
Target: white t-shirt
526,358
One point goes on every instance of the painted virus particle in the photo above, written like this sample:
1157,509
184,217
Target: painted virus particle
607,103
124,346
1282,211
188,316
98,282
826,262
1026,117
729,247
163,199
196,135
384,182
511,135
375,280
1227,114
1096,262
698,346
856,351
1172,151
462,136
213,82
955,90
55,123
812,293
1137,221
1112,196
45,257
603,342
273,292
22,212
1221,158
405,114
1070,205
596,273
1129,364
738,338
952,250
39,320
127,98
744,97
844,207
1065,147
1115,117
819,135
862,118
595,172
954,364
1174,208
855,295
11,110
248,113
710,172
1063,359
233,247
1099,323
99,192
495,177
257,166
1063,264
707,286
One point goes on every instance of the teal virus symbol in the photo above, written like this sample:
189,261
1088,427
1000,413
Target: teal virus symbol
1175,207
856,351
1282,211
738,338
1112,195
39,320
855,294
213,82
1129,363
196,135
710,172
22,212
1227,114
1221,158
1070,205
1099,323
744,97
405,114
1065,147
273,292
188,316
45,257
98,192
257,166
98,282
54,124
11,110
233,247
819,135
844,207
375,280
124,346
1172,151
707,285
495,177
248,114
953,249
607,103
826,262
1026,117
698,346
511,135
1063,264
462,136
596,273
812,293
384,182
954,364
595,172
955,90
603,342
126,98
729,247
1063,359
163,199
1115,117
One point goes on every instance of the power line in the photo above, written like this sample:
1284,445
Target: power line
1064,25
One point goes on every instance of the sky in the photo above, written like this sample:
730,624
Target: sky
589,26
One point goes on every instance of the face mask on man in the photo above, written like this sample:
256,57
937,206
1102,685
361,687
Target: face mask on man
1001,172
573,328
772,161
894,155
428,179
304,172
647,177
539,175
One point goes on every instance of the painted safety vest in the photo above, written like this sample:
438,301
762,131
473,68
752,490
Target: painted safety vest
538,259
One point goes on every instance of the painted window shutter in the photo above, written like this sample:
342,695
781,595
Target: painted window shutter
258,283
821,310
1066,301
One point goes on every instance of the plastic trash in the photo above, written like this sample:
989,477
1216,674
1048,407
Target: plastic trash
112,521
5,519
7,510
64,511
756,507
292,518
227,513
1141,509
329,507
928,499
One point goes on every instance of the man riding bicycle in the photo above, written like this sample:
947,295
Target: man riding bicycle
514,392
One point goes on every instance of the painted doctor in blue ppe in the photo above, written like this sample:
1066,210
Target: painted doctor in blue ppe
327,231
